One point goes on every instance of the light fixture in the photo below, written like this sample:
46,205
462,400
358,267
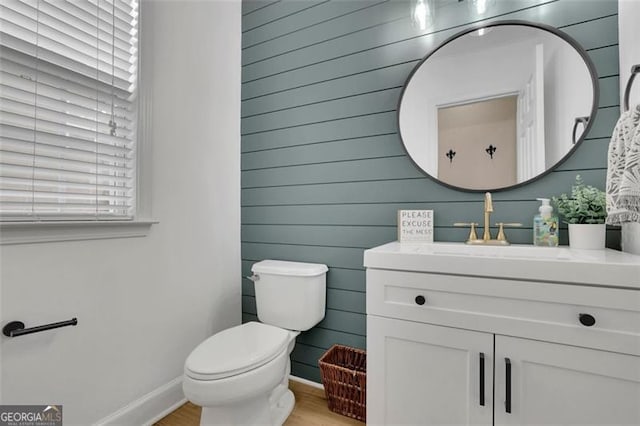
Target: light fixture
423,13
480,7
482,31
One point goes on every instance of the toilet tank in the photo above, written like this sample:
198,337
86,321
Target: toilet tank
290,295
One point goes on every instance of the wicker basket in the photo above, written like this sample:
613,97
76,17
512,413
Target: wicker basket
344,375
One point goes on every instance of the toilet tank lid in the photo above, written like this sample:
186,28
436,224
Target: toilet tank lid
281,267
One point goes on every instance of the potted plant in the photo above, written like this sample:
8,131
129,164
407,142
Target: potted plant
585,211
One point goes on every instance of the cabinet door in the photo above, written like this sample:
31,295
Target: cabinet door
564,385
422,374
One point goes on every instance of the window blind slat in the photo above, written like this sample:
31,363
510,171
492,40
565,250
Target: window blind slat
41,161
64,152
23,26
84,11
53,77
51,197
68,82
18,188
26,122
81,17
27,136
13,93
70,198
11,183
63,210
89,6
47,51
40,173
82,119
83,32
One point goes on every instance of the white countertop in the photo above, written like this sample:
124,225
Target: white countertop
552,264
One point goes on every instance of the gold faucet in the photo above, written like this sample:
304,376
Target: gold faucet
488,209
501,238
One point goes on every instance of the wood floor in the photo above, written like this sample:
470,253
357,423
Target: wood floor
310,410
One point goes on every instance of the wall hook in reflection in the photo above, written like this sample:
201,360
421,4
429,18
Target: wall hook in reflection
491,150
450,155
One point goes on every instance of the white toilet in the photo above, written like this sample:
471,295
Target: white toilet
240,376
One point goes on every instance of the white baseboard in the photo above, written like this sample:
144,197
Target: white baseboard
160,402
305,382
150,408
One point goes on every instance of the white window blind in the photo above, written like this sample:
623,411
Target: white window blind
68,80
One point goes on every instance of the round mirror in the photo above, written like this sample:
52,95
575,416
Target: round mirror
495,107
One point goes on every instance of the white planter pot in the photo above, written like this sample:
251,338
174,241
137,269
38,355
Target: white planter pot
587,236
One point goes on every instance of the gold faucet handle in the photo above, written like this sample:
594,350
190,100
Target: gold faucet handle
472,232
501,235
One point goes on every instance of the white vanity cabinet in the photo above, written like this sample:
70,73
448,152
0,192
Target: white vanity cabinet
568,385
481,335
427,374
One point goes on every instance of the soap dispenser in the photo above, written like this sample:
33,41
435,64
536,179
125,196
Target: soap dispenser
545,225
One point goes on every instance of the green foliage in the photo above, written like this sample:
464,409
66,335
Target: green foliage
587,204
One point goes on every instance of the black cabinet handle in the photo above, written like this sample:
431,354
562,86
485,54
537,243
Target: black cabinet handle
482,379
507,402
586,320
420,300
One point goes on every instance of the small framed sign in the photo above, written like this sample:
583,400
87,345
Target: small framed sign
415,225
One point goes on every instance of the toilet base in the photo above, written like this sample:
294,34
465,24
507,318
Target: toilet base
283,408
257,411
257,397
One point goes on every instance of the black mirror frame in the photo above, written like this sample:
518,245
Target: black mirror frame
578,48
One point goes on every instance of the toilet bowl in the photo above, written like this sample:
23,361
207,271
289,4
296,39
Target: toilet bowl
240,376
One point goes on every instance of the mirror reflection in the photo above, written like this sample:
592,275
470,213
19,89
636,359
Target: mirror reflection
495,107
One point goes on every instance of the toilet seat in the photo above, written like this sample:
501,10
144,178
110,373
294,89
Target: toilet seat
236,350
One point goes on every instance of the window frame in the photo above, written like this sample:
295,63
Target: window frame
35,231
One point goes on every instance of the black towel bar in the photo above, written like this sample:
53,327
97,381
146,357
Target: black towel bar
635,70
16,328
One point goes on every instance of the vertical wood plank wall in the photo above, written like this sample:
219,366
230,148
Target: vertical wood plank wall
323,169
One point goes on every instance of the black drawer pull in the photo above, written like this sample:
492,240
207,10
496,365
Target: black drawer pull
482,379
420,299
507,402
586,320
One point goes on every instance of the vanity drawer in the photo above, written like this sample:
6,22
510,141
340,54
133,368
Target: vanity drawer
536,310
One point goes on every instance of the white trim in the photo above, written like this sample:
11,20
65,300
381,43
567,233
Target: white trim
305,382
149,408
144,131
481,98
42,232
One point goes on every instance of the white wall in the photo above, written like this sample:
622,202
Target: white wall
144,303
568,95
629,34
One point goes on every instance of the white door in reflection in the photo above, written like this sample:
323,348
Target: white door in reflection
531,143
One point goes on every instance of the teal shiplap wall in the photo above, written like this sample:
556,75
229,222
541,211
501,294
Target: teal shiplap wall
323,169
